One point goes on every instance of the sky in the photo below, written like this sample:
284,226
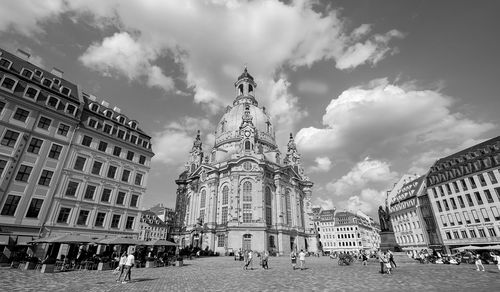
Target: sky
371,90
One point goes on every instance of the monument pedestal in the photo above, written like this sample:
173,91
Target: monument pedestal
388,241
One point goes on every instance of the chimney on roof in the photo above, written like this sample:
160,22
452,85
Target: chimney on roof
104,103
92,97
117,109
58,72
23,54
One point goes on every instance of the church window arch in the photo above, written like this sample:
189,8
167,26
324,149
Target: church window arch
225,195
250,88
288,205
269,210
247,191
203,199
248,145
240,89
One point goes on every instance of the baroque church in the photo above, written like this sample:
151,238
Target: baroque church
243,193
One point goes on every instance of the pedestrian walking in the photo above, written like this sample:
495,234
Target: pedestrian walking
381,261
364,258
391,259
129,263
265,258
245,259
496,257
250,259
479,263
302,259
121,266
293,258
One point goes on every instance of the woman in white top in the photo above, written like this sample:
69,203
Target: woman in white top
121,265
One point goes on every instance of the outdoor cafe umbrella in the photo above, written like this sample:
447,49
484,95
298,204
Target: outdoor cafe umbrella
67,238
119,240
160,242
468,247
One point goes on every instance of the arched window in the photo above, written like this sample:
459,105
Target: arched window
247,145
247,242
225,195
269,210
247,191
288,205
240,89
271,242
193,167
203,199
250,88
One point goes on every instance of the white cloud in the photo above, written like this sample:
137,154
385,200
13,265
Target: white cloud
325,204
312,86
123,54
389,121
323,164
173,143
365,173
367,202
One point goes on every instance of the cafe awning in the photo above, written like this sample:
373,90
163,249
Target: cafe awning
23,240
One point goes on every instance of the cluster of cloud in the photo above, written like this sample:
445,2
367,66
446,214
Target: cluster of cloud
399,123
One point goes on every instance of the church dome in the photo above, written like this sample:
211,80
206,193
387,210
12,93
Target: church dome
245,106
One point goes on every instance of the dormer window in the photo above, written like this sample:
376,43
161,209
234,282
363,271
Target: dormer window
27,73
120,119
94,107
5,63
31,92
108,113
38,73
133,124
65,91
57,81
47,82
70,109
8,83
53,102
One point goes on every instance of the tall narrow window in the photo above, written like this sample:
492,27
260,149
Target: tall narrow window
247,191
34,209
288,206
269,214
225,195
10,206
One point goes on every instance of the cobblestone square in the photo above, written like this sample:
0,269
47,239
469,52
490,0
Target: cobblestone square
225,274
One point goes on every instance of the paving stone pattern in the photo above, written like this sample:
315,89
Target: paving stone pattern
225,274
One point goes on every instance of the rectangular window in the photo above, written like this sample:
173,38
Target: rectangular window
120,198
448,189
117,151
53,102
142,159
453,204
34,208
224,215
441,191
3,164
472,182
476,217
96,167
446,206
130,155
63,215
79,163
106,194
247,213
461,202
440,209
45,178
269,216
93,123
111,171
35,145
125,175
10,206
44,123
133,139
99,219
2,106
455,235
486,217
469,200
138,179
71,189
489,198
464,185
220,240
63,130
481,179
89,192
464,234
102,146
497,191
467,218
55,151
495,212
459,219
481,232
115,221
82,217
492,232
9,139
443,221
23,174
121,134
134,200
492,177
130,222
21,115
455,187
472,233
107,129
448,235
478,198
86,141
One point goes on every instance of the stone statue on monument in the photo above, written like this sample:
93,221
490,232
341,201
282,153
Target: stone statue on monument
384,218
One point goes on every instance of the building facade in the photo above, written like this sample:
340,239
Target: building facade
244,193
152,227
464,191
39,112
104,179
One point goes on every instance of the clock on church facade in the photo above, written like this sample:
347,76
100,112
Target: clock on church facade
243,193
